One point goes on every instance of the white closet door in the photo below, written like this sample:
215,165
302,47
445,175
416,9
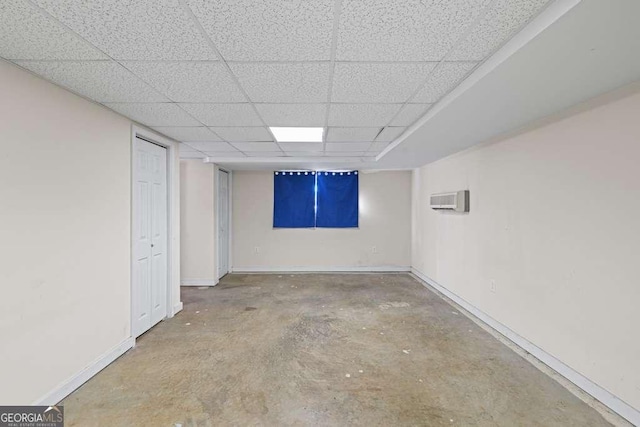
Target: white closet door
223,223
149,296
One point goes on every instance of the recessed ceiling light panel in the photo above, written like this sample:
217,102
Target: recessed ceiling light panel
297,134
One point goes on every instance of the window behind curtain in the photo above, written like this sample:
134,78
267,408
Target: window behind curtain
294,199
337,205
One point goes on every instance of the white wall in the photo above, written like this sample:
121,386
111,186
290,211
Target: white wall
554,221
385,222
197,229
65,234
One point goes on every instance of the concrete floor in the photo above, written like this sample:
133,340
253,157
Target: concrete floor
322,349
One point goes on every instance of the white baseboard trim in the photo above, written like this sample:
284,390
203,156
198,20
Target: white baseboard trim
71,384
198,282
607,398
312,269
177,308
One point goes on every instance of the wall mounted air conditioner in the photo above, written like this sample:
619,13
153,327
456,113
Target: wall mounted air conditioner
457,201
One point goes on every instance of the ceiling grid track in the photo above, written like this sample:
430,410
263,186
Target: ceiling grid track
334,46
231,73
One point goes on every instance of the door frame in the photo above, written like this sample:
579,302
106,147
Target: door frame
217,220
173,263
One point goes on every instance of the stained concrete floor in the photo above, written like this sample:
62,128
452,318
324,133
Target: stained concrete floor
322,350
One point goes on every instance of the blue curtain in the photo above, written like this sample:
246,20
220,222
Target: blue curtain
337,205
294,199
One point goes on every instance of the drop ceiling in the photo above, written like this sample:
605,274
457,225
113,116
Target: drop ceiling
591,50
216,74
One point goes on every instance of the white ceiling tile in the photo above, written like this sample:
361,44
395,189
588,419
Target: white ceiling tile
286,83
352,134
186,152
192,155
365,115
256,146
224,154
200,133
346,154
401,30
409,114
184,148
265,154
347,146
189,81
292,114
302,146
224,114
498,25
444,78
378,82
159,114
390,133
378,146
141,29
304,153
27,33
211,146
104,81
268,29
243,133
